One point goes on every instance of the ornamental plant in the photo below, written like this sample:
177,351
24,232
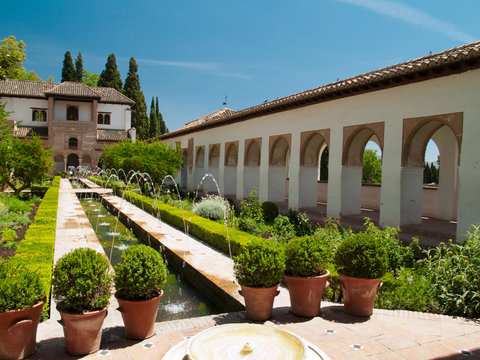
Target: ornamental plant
82,281
141,274
213,208
306,257
361,256
19,287
261,264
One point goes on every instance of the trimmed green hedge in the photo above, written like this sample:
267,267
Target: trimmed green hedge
35,252
206,230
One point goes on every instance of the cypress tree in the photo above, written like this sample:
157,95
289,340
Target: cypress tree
153,120
427,175
110,77
162,127
79,68
139,110
68,71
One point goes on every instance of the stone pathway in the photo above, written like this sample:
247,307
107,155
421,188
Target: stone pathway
385,335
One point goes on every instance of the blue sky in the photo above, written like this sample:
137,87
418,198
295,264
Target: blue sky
191,54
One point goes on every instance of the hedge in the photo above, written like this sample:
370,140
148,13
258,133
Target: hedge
35,252
209,231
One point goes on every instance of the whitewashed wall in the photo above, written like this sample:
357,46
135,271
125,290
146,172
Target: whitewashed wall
120,118
84,110
22,110
449,94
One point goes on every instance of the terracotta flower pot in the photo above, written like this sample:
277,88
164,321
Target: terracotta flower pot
83,332
259,301
139,316
18,332
359,294
306,294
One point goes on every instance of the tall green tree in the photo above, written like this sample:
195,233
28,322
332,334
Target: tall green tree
90,79
110,77
68,71
372,167
154,130
12,55
162,127
79,68
132,89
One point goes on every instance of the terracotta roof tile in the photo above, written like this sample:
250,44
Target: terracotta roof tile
24,131
70,88
110,95
111,135
454,60
40,89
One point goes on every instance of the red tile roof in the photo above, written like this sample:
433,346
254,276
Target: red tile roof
456,60
41,90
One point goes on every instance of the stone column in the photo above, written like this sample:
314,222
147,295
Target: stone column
334,203
263,177
294,179
390,192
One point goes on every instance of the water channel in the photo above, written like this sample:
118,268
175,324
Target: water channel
180,299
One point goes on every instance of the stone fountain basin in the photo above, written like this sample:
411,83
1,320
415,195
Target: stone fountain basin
245,341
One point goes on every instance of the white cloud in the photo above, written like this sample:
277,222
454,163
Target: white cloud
413,16
206,67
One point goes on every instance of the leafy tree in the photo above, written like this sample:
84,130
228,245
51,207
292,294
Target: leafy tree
154,130
161,123
6,130
139,110
68,71
12,56
372,167
90,79
156,158
110,77
79,68
23,162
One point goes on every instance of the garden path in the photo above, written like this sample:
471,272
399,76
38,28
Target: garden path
385,335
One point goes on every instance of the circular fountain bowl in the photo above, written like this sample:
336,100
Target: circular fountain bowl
246,341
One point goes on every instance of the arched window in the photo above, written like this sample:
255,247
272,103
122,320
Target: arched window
103,118
73,143
72,113
39,115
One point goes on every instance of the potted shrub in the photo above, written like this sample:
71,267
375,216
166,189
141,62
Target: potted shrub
361,261
306,274
21,301
82,288
139,279
259,269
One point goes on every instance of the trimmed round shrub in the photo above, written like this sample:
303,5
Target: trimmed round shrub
141,274
82,281
361,256
261,264
306,256
19,287
270,211
213,208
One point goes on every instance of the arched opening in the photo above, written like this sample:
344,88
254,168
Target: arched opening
251,171
361,170
230,170
313,171
199,165
72,160
427,191
213,168
73,144
72,113
278,168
